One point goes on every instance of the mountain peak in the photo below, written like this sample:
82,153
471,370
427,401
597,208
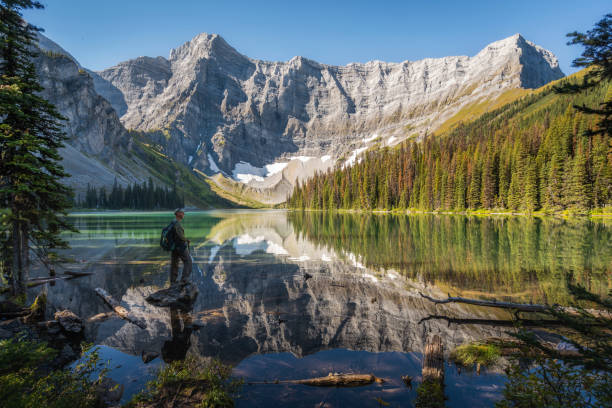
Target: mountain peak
203,45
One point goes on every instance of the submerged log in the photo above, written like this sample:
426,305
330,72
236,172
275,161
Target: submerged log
117,308
332,380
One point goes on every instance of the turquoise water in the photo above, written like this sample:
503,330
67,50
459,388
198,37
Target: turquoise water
297,295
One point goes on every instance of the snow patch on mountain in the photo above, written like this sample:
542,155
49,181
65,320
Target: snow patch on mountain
212,165
353,157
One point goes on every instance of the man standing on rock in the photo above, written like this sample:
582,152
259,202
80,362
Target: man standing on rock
181,250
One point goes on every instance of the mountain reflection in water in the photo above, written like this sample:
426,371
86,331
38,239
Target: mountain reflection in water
325,292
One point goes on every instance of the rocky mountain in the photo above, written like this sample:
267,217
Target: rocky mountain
96,136
100,150
218,110
260,126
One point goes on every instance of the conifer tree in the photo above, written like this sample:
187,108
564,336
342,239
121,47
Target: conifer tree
30,169
530,195
578,194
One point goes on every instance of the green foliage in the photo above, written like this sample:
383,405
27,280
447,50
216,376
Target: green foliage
476,353
207,385
536,153
551,383
193,188
430,394
26,383
145,196
30,165
492,256
582,377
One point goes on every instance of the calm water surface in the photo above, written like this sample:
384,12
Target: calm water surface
298,295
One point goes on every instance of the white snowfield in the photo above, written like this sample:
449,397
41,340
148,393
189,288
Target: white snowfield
245,172
211,163
351,160
246,244
371,138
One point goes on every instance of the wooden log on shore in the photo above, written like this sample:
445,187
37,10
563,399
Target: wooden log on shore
332,380
433,360
117,308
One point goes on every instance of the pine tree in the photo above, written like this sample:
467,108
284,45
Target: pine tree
530,195
578,194
30,169
474,188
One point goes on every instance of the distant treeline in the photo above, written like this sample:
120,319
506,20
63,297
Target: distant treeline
145,196
537,153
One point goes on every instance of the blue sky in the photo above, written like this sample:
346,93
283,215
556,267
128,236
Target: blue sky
102,33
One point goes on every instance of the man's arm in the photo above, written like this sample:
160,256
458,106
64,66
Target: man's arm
180,233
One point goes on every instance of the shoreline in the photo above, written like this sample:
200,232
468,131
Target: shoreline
483,213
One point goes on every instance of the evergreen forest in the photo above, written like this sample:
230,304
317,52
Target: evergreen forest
541,152
145,196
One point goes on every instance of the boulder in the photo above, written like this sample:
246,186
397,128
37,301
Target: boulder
178,295
5,334
148,356
109,391
69,322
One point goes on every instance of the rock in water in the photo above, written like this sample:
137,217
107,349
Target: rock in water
180,295
109,391
148,356
70,322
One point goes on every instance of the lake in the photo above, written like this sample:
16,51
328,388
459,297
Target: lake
290,295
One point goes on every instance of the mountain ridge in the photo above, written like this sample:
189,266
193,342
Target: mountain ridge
218,111
212,108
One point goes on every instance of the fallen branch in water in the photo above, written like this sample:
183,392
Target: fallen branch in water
13,314
74,274
492,322
117,308
67,275
332,380
520,307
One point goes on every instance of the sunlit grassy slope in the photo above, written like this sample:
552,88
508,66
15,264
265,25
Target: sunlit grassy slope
194,187
474,110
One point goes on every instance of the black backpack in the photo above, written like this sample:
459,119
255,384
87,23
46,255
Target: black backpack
167,237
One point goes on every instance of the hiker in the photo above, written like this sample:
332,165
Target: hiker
180,251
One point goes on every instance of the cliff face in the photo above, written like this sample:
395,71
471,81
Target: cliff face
215,105
96,136
265,124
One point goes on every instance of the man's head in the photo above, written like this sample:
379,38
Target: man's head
179,213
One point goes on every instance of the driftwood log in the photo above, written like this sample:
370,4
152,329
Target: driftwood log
117,308
433,360
332,380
